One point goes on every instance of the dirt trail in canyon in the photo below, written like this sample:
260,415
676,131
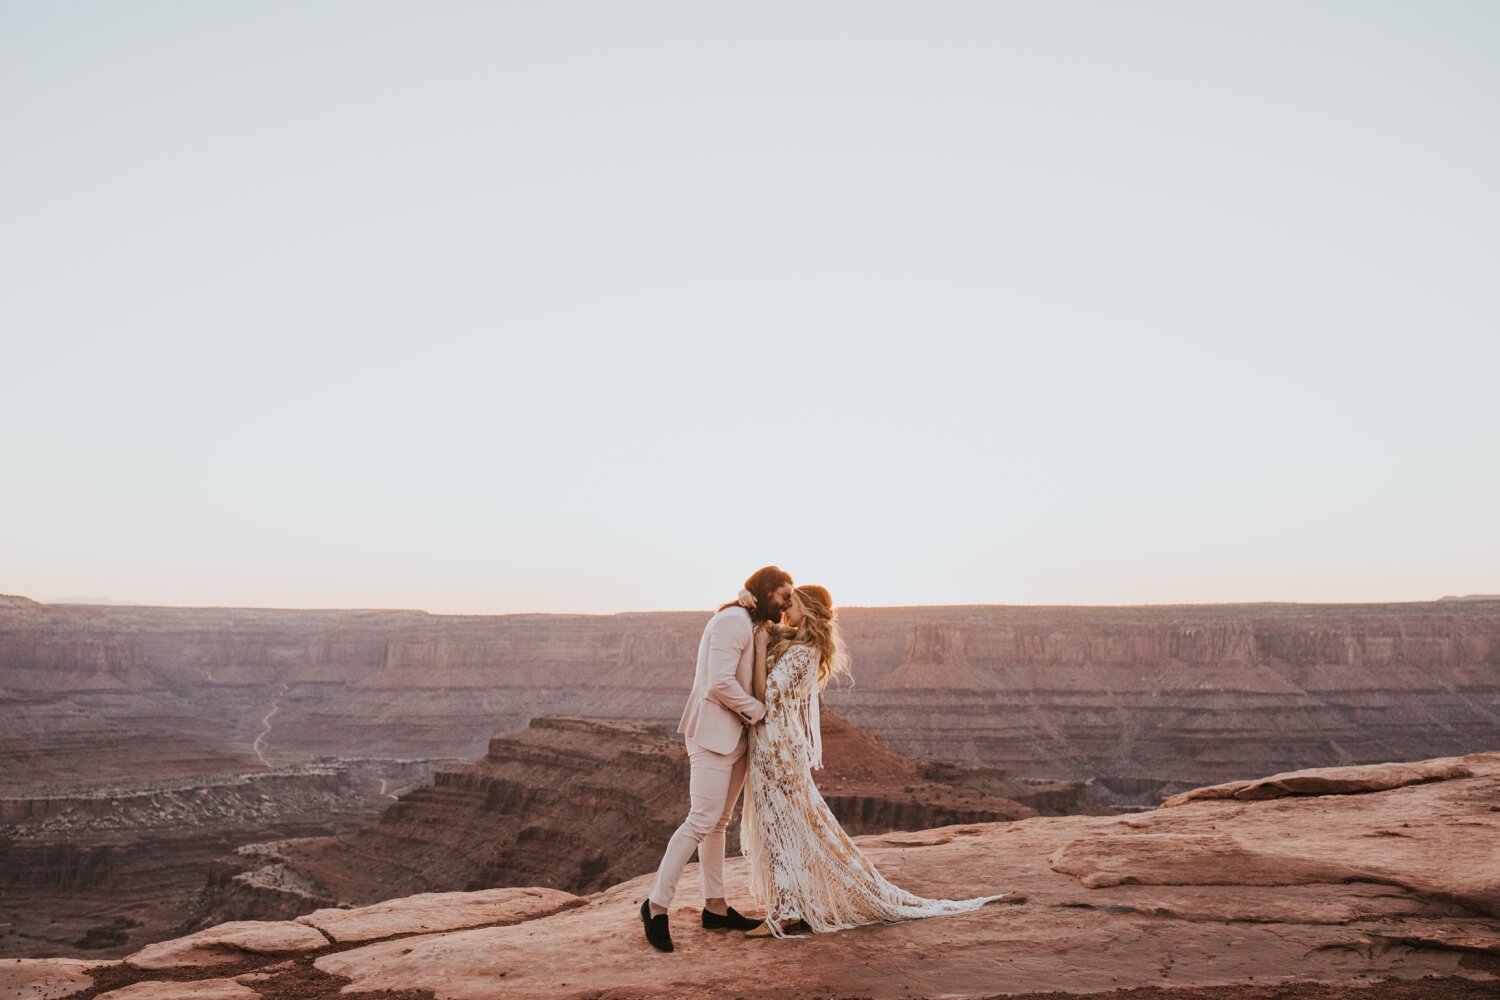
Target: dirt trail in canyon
266,727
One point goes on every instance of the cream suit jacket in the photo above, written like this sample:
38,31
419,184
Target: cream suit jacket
721,705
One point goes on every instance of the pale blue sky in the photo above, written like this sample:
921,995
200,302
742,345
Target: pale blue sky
599,306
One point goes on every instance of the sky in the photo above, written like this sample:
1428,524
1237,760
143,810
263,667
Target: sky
598,307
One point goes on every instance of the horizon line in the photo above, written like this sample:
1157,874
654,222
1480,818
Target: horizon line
107,603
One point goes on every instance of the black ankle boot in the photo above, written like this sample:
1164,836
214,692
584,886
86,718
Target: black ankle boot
656,928
732,920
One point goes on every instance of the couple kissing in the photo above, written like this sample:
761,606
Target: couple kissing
751,723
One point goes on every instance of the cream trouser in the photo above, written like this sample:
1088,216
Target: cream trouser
714,785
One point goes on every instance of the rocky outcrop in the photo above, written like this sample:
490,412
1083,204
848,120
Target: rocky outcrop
1328,781
572,804
1205,933
197,989
429,912
228,943
1442,843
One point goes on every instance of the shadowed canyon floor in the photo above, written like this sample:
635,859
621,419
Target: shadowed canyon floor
1388,887
99,869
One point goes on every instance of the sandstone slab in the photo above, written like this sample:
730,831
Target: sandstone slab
229,942
1329,781
1188,859
1478,936
193,989
1436,838
439,911
44,978
1313,903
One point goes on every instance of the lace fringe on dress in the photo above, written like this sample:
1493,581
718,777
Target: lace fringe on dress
802,863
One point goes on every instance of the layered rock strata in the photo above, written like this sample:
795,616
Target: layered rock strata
1144,700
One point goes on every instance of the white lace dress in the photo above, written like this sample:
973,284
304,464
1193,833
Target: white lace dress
802,863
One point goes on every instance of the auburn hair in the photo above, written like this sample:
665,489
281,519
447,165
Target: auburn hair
763,583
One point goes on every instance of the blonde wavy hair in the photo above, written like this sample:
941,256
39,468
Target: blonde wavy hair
820,630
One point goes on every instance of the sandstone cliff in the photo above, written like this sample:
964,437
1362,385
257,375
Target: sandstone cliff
1146,700
1385,887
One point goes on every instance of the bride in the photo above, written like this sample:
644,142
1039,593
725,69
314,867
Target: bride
803,867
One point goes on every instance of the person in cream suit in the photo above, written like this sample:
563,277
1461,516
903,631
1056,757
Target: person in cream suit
719,708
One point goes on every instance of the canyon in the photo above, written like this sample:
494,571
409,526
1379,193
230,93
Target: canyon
357,707
580,805
1145,701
